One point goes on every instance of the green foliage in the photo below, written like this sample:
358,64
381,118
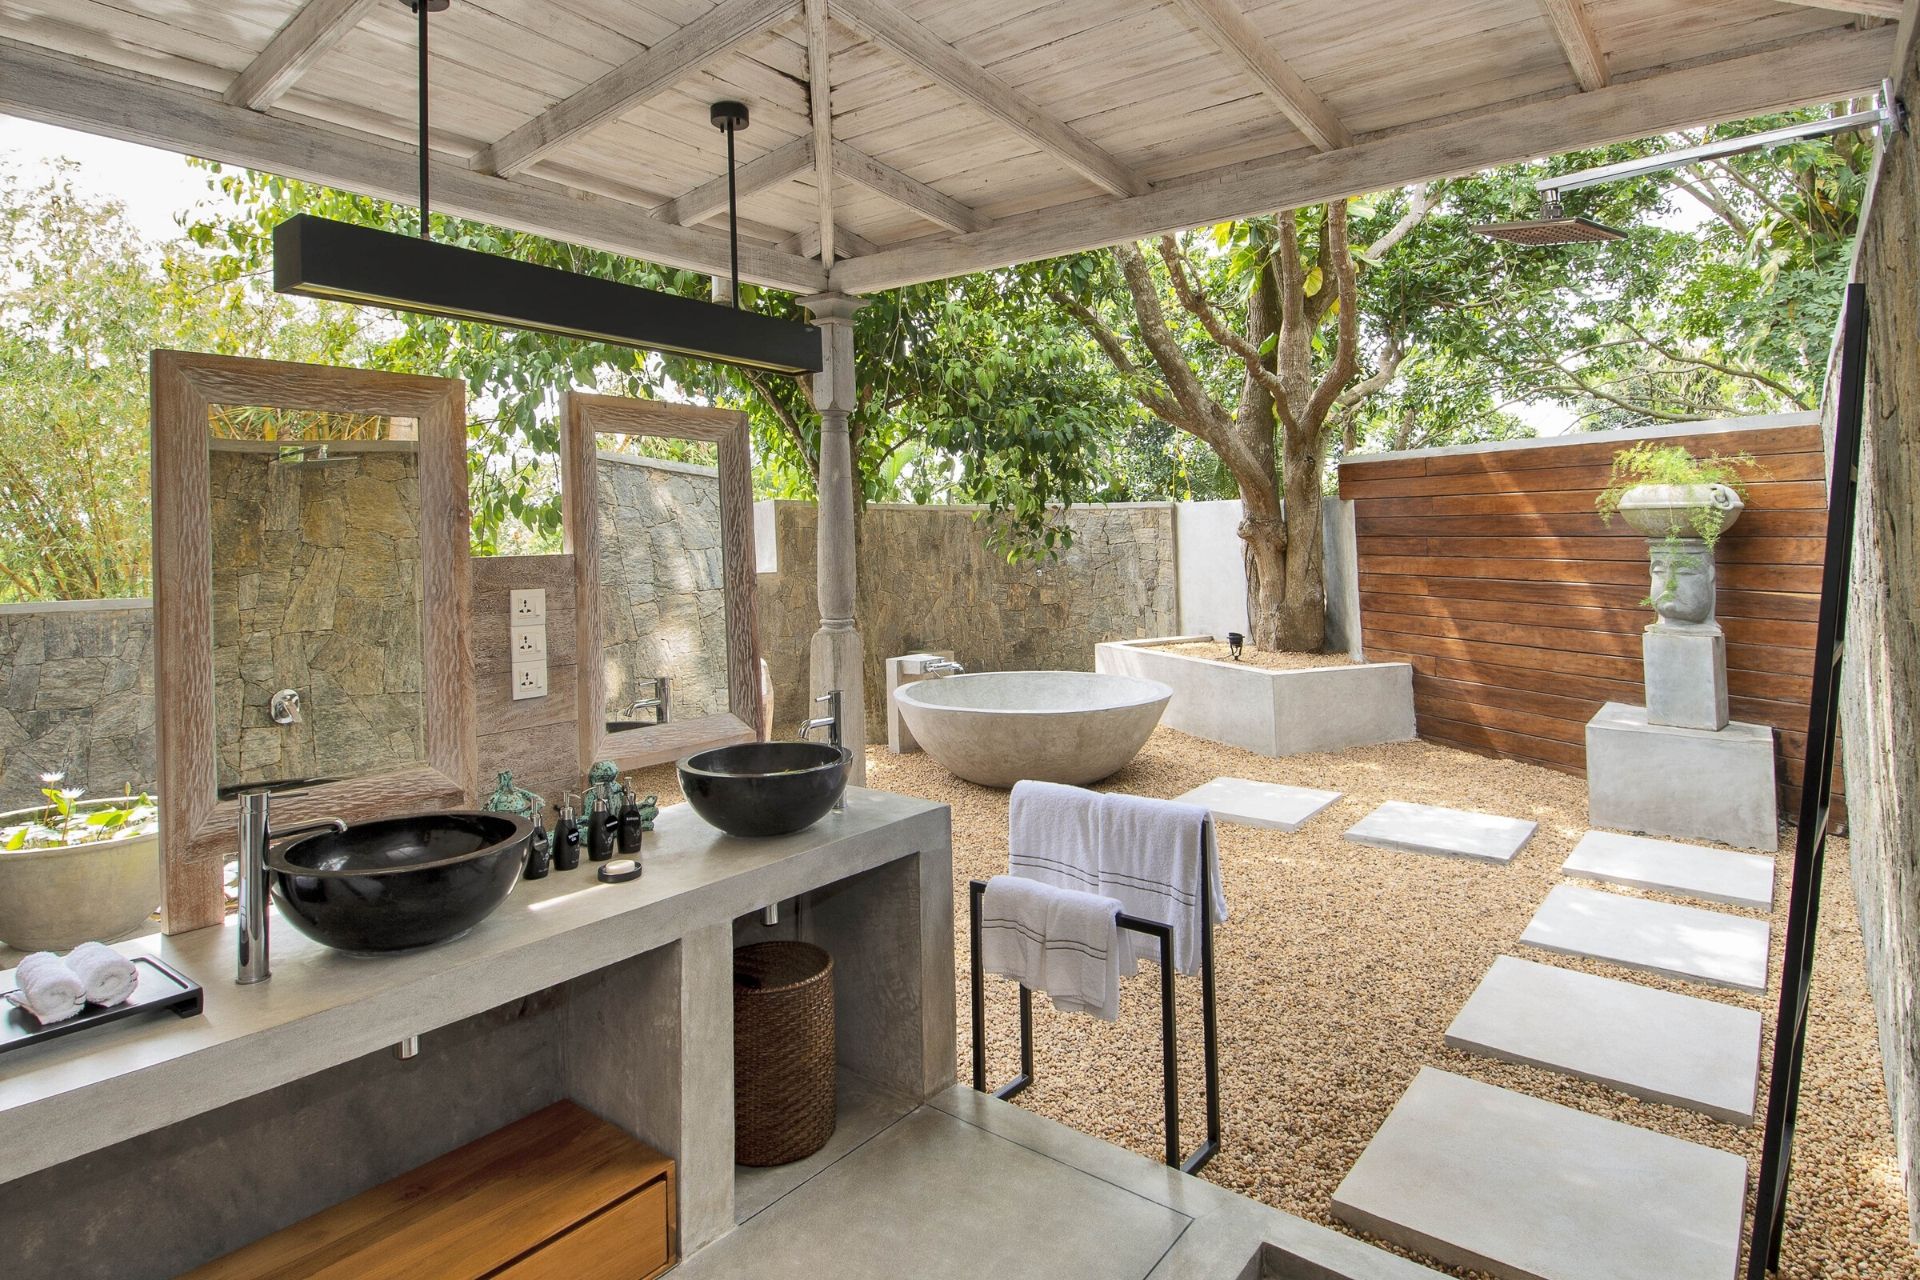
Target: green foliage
65,823
1647,463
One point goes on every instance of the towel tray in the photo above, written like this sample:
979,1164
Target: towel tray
161,986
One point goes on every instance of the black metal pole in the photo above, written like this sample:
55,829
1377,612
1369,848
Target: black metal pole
733,220
1816,794
421,8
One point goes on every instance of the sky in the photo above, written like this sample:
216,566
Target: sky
158,186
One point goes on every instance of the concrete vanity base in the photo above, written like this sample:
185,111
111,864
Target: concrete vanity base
969,1186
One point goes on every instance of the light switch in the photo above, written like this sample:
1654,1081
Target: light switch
529,643
527,607
530,679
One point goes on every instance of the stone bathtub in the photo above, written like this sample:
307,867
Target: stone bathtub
999,727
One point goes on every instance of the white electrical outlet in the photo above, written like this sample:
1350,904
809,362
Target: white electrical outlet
529,680
529,643
527,607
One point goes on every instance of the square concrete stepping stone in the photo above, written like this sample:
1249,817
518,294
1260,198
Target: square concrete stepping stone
1259,804
1425,828
1491,1179
1717,875
1657,1045
1681,942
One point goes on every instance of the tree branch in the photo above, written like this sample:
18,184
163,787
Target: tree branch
1346,351
1156,402
1196,302
1204,417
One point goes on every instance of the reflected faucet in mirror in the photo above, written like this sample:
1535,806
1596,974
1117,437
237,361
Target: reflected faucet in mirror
256,833
661,703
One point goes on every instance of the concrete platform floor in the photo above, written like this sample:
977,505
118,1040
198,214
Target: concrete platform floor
969,1186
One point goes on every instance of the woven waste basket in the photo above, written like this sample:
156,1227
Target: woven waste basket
783,1057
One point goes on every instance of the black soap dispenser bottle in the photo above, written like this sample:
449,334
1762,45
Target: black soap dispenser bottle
600,823
539,850
566,838
633,825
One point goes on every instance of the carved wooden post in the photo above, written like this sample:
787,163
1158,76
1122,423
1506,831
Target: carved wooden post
836,660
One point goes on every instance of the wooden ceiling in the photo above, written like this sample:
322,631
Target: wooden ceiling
914,139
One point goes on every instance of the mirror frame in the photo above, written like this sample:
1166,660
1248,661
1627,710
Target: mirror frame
198,830
586,416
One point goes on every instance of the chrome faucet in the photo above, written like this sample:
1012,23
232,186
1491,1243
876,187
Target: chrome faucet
660,703
255,836
831,723
941,667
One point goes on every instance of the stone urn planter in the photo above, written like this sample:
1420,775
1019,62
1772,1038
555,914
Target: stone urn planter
55,899
1671,517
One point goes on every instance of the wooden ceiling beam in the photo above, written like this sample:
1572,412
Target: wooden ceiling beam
820,109
652,73
806,244
316,28
906,191
1862,8
1574,30
1222,22
1818,68
710,197
73,93
912,43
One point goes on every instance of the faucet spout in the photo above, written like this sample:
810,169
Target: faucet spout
831,723
256,834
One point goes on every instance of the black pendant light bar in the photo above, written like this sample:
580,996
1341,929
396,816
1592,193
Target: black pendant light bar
320,258
341,262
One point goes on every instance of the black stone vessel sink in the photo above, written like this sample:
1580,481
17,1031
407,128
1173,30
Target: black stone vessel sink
765,788
395,884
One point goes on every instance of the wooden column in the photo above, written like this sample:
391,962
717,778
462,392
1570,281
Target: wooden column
836,653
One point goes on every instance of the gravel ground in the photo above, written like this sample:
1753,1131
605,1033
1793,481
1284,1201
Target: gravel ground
1342,966
1218,651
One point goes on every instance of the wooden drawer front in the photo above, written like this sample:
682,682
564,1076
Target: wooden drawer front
626,1242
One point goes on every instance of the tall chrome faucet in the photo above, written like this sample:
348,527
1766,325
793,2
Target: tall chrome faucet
831,723
255,836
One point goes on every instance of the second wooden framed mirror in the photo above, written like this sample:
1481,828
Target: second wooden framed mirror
658,509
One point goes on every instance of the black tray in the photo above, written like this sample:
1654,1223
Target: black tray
161,987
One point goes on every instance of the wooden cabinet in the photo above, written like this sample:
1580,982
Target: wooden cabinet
559,1195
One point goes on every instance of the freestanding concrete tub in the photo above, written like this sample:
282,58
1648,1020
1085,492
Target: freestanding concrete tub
998,727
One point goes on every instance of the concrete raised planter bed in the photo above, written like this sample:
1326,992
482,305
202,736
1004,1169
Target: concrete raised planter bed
1275,713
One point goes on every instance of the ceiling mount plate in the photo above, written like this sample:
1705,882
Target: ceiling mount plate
729,115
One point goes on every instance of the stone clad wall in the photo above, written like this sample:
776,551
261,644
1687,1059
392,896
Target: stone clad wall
1881,695
662,602
928,579
76,687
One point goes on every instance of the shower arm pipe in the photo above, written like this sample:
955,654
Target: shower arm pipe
1890,115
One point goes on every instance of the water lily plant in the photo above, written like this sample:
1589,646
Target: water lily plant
65,822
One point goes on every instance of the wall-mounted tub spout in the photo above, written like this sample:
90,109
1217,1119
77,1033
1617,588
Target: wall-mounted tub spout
941,667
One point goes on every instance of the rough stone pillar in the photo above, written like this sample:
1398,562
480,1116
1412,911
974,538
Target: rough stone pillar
836,660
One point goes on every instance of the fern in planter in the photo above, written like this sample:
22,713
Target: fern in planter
1650,465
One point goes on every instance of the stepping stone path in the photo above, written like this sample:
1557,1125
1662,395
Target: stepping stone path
1681,942
1739,879
1259,804
1423,828
1670,1048
1487,1178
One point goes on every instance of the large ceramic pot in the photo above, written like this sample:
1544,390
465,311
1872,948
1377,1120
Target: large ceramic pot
56,899
1666,510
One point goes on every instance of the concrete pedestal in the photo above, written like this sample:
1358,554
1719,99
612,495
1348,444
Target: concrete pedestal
905,669
1668,781
1686,676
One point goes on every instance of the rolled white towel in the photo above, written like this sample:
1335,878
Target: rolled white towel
49,990
109,976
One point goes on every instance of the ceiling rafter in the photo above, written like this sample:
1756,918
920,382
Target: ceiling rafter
1864,8
934,58
1223,22
1573,28
909,192
71,92
316,28
1817,68
806,244
710,197
820,107
648,75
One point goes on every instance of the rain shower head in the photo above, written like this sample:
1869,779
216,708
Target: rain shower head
1552,227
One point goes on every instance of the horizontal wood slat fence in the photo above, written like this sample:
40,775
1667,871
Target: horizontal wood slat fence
1490,572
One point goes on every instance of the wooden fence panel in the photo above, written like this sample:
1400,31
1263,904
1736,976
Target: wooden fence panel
1490,572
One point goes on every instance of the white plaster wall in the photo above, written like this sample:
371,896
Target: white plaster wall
1209,567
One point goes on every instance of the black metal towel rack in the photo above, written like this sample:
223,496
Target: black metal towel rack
1169,1040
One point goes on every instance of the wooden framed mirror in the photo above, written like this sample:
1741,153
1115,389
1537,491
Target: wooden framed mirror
658,509
310,535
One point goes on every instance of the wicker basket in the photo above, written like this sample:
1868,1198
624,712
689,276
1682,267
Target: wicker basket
783,1058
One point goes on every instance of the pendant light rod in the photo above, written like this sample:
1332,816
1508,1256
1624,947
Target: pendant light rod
730,118
423,8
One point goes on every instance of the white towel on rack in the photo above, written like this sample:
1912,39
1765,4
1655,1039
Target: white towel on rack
1059,941
1146,853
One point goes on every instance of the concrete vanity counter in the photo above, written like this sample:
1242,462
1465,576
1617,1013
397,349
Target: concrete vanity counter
616,995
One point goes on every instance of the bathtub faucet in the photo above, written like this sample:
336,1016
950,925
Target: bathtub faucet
941,667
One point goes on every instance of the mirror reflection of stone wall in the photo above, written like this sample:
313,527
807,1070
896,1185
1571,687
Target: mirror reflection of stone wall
316,588
662,604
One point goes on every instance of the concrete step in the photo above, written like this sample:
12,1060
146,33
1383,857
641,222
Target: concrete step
1458,833
1259,804
1680,942
1692,1053
1716,875
1481,1177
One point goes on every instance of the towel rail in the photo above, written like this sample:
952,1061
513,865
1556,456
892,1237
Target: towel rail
1169,1038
